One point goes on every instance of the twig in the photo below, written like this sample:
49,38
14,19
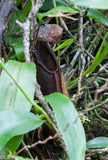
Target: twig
4,53
63,23
36,143
26,147
82,48
26,32
75,57
26,27
39,4
101,89
97,106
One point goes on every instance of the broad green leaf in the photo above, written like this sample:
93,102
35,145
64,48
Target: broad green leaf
69,125
98,142
19,51
100,4
14,122
10,96
97,15
64,44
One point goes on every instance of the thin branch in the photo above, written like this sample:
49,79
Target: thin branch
36,143
26,27
97,106
82,48
26,32
26,147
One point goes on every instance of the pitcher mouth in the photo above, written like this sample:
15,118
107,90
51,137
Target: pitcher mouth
45,57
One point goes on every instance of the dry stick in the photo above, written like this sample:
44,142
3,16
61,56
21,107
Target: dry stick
39,142
47,139
99,90
75,57
26,32
95,107
82,49
4,53
26,27
94,151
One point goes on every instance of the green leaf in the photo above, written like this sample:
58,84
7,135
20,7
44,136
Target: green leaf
98,142
25,10
61,1
12,37
97,15
47,5
11,55
102,52
14,122
18,2
69,125
19,51
55,12
64,8
10,96
16,52
100,4
64,44
1,64
11,145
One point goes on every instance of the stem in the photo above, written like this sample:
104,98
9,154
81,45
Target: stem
54,4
